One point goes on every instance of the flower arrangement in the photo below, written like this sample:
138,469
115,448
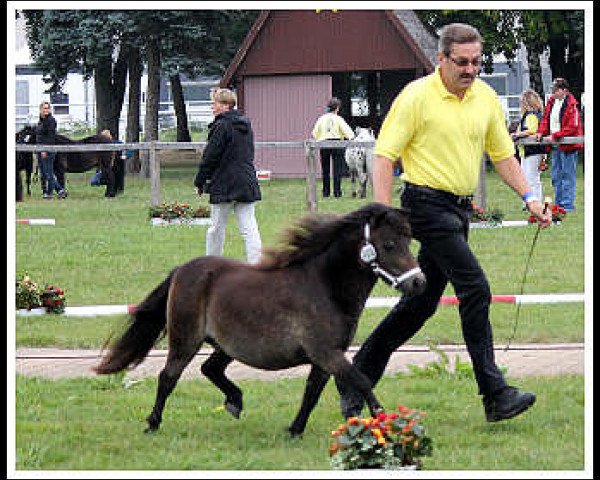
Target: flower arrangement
170,211
393,440
53,299
558,213
480,215
29,295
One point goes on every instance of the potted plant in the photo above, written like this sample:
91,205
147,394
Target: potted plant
178,213
492,218
27,294
32,300
390,441
558,213
53,299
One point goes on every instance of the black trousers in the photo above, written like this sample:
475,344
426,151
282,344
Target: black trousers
335,156
440,222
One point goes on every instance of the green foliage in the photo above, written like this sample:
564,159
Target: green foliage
169,211
441,368
28,294
560,31
390,441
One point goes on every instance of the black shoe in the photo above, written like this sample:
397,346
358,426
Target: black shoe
506,404
351,403
62,194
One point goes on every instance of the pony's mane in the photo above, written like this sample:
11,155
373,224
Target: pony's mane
313,234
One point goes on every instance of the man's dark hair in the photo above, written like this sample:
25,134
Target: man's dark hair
560,83
457,33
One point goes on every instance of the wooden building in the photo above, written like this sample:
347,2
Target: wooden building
293,61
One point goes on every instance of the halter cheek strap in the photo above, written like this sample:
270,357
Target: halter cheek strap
368,254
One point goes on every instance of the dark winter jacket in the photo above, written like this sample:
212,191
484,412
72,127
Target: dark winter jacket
570,122
46,130
226,169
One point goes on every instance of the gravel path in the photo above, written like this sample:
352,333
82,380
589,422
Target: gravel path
520,359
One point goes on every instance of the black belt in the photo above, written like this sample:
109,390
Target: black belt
461,200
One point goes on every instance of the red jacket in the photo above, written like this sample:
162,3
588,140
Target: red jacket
570,122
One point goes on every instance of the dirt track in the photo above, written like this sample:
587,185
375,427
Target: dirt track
520,360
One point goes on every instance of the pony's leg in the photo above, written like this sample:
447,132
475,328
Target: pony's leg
214,370
177,359
316,381
362,175
335,363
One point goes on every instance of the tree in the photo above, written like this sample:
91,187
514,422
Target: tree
61,41
109,45
560,32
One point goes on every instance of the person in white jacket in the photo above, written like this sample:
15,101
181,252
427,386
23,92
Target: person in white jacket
331,126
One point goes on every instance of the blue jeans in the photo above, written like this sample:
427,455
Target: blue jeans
564,177
49,181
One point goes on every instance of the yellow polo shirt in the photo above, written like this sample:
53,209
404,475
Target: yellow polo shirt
440,138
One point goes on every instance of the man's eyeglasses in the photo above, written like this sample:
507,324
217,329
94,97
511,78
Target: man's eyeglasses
463,62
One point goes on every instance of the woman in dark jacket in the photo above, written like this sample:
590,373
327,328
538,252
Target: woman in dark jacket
226,171
46,135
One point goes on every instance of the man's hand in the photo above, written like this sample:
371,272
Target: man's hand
537,209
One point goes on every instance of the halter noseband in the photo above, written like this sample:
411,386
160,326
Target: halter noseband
368,255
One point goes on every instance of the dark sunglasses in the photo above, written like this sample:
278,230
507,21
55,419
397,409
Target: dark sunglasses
465,62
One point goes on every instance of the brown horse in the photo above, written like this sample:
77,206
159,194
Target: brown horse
75,162
299,305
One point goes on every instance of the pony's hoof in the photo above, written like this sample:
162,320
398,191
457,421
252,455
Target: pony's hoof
235,410
150,429
294,432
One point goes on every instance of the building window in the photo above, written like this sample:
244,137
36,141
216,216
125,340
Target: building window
22,98
60,103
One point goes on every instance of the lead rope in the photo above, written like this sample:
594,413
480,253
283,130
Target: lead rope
535,237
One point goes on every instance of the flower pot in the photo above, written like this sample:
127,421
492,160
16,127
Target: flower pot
181,221
29,313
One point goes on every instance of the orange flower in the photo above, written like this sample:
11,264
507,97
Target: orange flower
333,448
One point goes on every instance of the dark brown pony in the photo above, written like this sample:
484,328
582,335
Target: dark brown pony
77,162
299,305
24,162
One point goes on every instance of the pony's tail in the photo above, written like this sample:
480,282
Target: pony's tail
147,325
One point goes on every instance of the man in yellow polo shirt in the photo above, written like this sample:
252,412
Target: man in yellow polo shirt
439,126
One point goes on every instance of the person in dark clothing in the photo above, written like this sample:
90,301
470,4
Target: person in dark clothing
46,135
118,167
226,171
441,159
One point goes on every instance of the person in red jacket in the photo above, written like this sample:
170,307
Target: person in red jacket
562,118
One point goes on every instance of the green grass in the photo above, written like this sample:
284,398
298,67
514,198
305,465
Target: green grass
104,251
96,424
